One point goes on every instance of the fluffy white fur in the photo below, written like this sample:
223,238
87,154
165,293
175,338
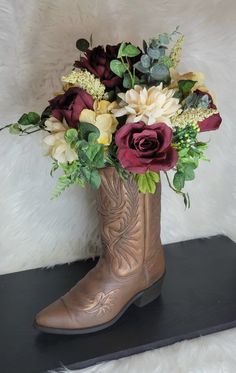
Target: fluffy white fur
37,40
214,353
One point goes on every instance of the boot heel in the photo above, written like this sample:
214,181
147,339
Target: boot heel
150,294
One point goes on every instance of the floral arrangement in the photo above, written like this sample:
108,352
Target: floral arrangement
129,108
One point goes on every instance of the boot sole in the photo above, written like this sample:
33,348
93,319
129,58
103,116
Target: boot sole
140,300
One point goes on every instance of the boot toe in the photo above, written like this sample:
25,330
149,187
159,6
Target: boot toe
54,316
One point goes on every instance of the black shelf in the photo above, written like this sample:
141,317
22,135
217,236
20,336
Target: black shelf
198,298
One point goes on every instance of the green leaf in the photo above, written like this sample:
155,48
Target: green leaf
127,82
154,53
179,180
92,152
138,66
147,182
178,94
95,179
85,129
81,145
183,152
24,121
131,51
30,118
86,172
201,145
33,117
185,86
118,68
164,39
162,51
99,160
71,135
92,138
166,60
189,172
15,129
145,61
82,45
121,50
160,72
46,113
63,183
154,43
145,46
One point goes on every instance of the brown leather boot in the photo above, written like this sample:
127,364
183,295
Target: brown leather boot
130,270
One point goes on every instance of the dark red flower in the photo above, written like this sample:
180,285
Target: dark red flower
213,122
144,147
97,61
70,104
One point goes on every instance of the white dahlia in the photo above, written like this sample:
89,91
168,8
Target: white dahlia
57,146
153,105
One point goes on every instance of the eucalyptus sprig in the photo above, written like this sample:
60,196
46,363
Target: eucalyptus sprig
154,64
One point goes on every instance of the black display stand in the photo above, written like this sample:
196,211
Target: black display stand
198,298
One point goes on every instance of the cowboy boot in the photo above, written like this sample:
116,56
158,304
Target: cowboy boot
130,270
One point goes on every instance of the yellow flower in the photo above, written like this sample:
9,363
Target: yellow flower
57,147
153,105
197,76
102,119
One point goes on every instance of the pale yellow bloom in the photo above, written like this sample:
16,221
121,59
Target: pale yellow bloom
102,118
57,146
85,80
196,76
153,105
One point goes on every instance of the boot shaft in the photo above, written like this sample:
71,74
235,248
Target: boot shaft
130,226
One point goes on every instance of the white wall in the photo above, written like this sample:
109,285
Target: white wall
37,40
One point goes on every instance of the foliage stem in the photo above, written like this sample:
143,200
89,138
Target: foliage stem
184,195
7,126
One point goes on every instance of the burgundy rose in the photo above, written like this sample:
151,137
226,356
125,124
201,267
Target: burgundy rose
143,147
70,104
213,122
97,61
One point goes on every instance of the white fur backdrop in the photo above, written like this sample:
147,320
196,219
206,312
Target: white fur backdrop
37,41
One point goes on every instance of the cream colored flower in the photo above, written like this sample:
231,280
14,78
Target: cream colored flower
153,105
102,118
57,146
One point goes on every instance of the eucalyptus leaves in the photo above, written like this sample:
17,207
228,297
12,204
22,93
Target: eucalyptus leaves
153,66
